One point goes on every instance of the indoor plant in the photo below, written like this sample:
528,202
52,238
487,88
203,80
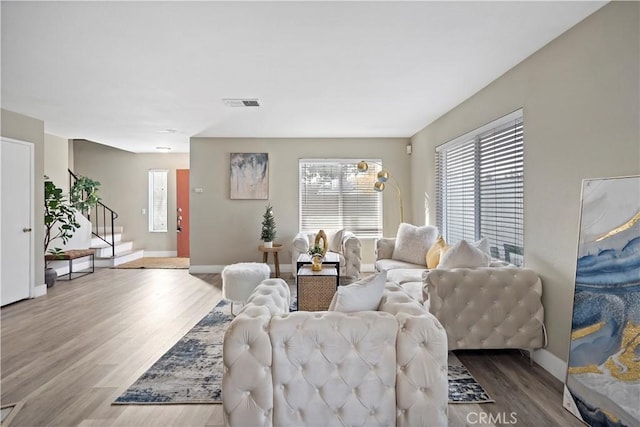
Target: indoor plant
60,214
268,227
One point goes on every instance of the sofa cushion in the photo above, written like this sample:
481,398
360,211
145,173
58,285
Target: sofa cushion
465,255
435,252
392,264
363,295
412,243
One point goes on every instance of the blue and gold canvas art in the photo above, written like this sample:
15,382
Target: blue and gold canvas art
603,377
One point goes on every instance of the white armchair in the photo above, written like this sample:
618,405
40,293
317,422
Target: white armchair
374,368
344,243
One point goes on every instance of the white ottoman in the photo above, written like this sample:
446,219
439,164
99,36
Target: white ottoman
239,280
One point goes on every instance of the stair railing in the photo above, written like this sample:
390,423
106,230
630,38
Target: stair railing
100,215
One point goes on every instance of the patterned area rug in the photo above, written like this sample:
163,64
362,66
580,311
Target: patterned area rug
159,262
191,371
463,388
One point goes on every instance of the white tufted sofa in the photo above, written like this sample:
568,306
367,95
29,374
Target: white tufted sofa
349,254
487,307
385,367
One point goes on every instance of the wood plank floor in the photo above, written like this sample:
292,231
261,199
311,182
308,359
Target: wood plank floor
66,356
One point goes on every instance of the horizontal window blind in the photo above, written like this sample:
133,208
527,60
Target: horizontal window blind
480,188
334,195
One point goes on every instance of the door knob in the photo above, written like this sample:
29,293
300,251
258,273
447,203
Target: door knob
26,230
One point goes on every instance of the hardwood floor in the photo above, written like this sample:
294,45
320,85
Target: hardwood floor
66,356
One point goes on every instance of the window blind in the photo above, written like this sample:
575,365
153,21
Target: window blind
480,188
334,195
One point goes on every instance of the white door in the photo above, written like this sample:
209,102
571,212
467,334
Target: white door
16,218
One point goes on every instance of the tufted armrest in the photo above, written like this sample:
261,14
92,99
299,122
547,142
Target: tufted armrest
487,307
350,247
421,347
384,247
247,357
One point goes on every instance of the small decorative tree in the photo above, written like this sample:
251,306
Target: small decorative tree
268,226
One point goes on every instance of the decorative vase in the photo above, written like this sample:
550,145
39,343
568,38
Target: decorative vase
50,276
267,244
316,263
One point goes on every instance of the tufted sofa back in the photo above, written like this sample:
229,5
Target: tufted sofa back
334,369
488,307
386,367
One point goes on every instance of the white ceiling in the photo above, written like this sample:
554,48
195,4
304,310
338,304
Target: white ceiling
123,73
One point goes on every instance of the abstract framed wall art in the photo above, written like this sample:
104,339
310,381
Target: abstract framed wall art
602,387
249,176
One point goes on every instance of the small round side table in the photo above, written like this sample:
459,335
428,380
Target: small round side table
274,250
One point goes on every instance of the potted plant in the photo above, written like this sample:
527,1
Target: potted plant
268,227
317,255
60,214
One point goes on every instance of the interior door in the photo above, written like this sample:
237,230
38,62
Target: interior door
182,211
16,216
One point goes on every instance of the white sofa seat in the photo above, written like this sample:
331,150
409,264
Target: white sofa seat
386,367
405,274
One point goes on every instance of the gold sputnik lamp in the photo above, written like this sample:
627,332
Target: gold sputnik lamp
384,178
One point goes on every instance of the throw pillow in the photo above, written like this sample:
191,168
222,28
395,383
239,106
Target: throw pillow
435,252
335,240
483,245
362,295
464,255
413,243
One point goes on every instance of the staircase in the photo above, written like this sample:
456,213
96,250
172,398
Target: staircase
108,255
106,237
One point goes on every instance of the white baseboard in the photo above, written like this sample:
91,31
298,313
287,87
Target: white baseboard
284,268
159,254
551,363
40,290
209,269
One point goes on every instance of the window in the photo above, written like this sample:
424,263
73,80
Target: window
333,195
158,200
480,185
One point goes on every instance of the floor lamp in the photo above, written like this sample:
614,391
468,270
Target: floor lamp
383,178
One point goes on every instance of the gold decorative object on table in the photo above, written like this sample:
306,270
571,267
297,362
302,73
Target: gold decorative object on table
317,254
322,236
383,178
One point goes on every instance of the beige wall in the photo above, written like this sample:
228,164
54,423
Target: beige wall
56,160
580,95
124,188
225,231
24,128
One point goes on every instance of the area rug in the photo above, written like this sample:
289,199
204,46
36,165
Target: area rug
160,262
191,371
463,388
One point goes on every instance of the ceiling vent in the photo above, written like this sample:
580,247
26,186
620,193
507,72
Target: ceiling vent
241,102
